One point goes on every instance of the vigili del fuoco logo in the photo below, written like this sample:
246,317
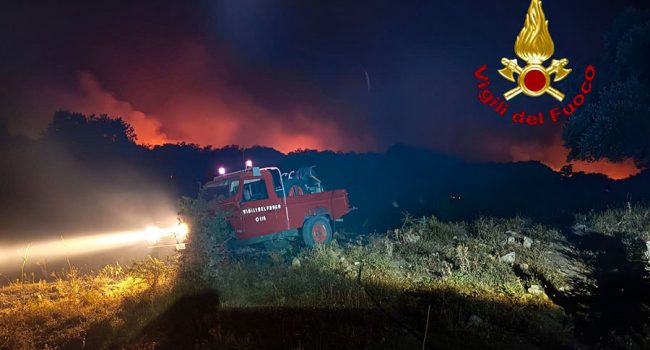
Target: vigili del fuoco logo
534,46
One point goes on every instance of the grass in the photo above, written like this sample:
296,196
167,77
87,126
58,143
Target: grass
453,267
78,310
632,222
347,290
631,226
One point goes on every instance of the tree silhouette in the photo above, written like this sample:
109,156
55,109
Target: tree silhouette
383,186
94,137
616,124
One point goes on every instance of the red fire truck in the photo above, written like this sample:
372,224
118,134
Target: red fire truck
267,206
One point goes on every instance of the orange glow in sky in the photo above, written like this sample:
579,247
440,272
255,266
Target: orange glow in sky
201,119
554,156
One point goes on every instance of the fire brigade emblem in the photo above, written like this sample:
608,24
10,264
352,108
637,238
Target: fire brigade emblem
534,45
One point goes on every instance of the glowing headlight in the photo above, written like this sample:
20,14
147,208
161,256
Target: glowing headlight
152,234
180,231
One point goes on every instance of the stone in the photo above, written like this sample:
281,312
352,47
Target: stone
295,263
536,289
579,228
576,274
510,240
474,321
528,242
508,258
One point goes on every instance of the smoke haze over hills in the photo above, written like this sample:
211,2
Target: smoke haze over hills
89,175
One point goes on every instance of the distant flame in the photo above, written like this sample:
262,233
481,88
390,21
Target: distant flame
534,44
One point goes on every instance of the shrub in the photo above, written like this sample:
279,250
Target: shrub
207,250
632,222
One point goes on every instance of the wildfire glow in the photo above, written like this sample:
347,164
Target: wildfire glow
555,154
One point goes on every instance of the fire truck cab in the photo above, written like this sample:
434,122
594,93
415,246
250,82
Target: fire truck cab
267,206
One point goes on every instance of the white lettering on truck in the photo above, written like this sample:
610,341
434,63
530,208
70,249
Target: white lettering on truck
261,209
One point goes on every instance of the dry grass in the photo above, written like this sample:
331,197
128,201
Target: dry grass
452,267
50,315
633,222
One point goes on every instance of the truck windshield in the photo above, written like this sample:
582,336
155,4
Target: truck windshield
255,189
220,190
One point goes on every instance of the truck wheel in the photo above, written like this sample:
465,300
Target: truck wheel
316,231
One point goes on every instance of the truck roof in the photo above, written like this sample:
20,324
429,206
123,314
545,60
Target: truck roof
257,171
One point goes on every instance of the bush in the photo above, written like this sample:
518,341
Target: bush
207,249
632,222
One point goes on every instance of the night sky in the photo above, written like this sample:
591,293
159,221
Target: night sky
340,75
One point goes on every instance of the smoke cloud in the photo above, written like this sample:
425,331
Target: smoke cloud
286,76
46,192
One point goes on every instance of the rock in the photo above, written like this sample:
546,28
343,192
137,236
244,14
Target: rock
523,267
516,238
579,229
474,321
508,258
509,240
295,263
647,251
528,242
536,289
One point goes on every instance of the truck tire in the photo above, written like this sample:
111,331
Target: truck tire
317,230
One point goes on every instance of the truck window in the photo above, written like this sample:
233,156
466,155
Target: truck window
220,190
277,183
277,180
255,189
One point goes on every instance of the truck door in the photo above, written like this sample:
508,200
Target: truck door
262,211
225,193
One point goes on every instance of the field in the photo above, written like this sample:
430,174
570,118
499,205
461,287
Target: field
490,283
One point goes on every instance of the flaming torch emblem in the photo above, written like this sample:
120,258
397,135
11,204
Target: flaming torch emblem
534,45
